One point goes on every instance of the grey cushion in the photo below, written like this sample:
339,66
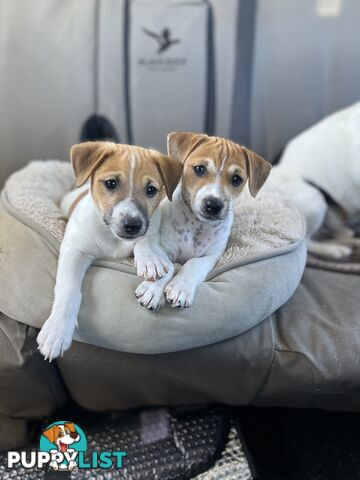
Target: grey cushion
236,297
238,294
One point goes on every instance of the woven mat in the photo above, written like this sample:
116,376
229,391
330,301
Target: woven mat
201,445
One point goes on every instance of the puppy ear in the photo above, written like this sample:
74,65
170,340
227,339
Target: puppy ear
258,170
50,434
86,158
170,171
70,426
181,144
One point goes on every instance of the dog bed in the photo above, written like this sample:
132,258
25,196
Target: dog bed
258,273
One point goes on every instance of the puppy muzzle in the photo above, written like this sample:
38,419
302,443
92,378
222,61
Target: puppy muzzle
132,227
213,208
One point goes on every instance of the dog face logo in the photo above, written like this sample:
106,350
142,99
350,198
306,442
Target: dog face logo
163,39
62,436
63,440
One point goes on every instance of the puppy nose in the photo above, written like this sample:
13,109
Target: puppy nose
213,205
132,225
73,435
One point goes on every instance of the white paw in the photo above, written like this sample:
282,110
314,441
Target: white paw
55,337
152,267
180,293
150,295
72,465
54,465
329,249
341,251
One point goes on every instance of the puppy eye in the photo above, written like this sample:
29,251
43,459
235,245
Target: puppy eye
151,191
200,170
60,434
111,184
236,180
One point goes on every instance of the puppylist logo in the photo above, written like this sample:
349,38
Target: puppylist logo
63,446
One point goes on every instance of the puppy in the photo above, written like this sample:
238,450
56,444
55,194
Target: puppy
62,436
320,172
196,226
110,216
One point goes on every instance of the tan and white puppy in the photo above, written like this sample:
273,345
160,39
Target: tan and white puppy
196,226
113,214
62,436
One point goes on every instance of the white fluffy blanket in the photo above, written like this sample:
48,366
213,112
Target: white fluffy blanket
267,222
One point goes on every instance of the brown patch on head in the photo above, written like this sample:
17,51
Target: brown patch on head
135,169
70,426
55,432
70,430
218,162
122,173
87,157
181,144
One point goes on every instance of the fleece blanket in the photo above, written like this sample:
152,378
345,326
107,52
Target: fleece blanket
265,223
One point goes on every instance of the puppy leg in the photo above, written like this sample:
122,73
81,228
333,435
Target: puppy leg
56,334
180,291
150,260
150,294
342,237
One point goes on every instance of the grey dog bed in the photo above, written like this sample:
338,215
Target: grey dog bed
258,273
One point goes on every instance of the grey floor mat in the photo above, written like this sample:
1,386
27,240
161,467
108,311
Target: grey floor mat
232,465
201,445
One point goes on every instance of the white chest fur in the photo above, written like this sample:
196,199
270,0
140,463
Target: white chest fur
87,231
184,236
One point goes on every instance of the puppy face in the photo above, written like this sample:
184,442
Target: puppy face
127,183
62,435
215,171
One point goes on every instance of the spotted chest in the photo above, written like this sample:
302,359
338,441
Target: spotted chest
185,238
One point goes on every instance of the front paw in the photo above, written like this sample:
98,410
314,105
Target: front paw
152,267
54,465
342,251
150,295
55,337
180,293
72,465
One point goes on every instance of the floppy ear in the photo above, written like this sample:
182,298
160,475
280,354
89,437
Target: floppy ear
170,171
50,434
181,144
86,157
258,170
70,426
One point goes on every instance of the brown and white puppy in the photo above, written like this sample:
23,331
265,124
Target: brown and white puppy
62,436
113,213
196,226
